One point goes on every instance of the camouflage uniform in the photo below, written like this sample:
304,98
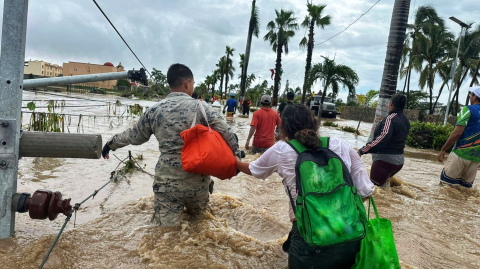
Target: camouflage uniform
173,187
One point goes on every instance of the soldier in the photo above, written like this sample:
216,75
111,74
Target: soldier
173,187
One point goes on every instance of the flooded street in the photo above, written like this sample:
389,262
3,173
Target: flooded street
434,226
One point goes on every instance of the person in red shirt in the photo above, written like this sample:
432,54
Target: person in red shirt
263,126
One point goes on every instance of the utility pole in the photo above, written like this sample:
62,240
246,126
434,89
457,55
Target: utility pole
14,31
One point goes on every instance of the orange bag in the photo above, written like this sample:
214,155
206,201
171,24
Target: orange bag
206,152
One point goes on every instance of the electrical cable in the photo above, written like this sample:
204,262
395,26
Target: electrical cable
106,17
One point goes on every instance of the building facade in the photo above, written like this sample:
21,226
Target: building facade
75,69
42,68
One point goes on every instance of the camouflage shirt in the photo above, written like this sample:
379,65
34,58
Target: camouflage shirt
166,120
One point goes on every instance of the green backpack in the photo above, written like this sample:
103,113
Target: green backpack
329,211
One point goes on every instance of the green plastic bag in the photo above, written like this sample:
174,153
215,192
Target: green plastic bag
377,249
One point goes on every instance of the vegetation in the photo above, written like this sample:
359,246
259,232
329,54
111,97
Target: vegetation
279,33
229,67
367,99
426,135
124,82
349,129
312,19
253,30
330,124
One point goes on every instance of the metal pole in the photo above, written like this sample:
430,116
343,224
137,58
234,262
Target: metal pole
12,59
452,74
43,82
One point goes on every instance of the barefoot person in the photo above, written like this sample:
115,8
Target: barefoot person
463,162
174,188
299,123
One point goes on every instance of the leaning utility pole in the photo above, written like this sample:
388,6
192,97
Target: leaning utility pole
388,88
12,59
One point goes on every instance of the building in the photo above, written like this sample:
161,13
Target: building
75,69
42,68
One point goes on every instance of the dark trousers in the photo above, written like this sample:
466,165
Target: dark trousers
302,256
246,111
381,171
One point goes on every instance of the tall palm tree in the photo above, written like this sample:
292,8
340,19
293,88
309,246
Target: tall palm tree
222,66
333,75
253,30
314,18
396,38
215,77
433,48
279,33
468,58
241,64
229,68
424,17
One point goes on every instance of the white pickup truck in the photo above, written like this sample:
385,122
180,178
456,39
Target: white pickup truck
328,109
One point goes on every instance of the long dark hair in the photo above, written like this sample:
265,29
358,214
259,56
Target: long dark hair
298,122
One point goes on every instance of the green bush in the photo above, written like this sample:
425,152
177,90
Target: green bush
252,109
425,135
330,123
349,129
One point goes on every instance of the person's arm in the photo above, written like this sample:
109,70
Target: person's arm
250,134
264,166
380,141
461,124
359,174
218,124
137,135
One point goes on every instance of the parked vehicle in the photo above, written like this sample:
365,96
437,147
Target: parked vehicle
328,108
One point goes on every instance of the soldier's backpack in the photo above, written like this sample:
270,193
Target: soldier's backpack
329,211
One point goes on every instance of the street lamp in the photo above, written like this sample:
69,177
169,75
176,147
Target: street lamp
454,64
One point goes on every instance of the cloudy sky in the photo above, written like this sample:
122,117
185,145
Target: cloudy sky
195,32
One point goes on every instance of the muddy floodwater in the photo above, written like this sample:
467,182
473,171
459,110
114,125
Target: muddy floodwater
434,226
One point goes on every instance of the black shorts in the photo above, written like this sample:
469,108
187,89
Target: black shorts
301,255
381,171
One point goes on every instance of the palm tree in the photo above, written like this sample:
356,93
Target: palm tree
279,33
229,67
313,18
333,75
396,38
468,58
433,48
241,64
424,17
253,29
221,65
215,77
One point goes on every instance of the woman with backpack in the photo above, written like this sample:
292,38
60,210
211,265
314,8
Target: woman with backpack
328,217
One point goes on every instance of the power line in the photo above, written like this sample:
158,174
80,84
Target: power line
121,36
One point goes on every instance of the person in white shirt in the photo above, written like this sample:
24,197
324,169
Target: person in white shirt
299,123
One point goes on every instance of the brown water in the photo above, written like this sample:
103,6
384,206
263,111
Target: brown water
434,226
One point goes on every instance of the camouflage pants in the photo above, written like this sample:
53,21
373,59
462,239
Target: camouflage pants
169,205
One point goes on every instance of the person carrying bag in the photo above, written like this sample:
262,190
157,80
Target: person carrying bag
205,151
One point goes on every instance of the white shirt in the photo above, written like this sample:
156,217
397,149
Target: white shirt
281,158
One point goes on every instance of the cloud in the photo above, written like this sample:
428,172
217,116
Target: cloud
196,33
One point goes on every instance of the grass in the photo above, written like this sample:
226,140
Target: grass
330,124
349,129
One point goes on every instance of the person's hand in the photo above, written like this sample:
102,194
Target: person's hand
237,159
105,151
247,145
441,156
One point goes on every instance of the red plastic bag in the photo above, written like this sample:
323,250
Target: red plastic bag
206,152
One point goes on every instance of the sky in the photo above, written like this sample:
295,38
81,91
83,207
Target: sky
195,33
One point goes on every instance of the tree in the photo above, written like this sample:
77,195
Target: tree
229,67
433,48
367,99
215,78
124,82
396,38
313,18
160,82
222,65
241,64
424,17
250,79
253,30
333,75
279,33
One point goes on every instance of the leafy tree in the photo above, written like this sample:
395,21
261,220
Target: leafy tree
124,83
160,84
312,19
222,66
334,75
253,30
279,33
229,67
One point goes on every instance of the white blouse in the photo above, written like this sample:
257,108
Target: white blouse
281,158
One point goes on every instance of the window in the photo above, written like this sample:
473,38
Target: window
74,69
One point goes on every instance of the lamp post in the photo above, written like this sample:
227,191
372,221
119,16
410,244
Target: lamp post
464,27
